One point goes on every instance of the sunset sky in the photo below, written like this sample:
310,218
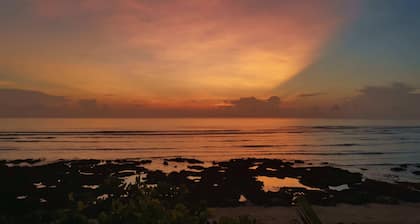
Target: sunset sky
205,57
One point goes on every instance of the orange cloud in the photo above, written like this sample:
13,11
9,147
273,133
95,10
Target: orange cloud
171,49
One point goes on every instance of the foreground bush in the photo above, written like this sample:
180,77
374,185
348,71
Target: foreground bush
125,204
136,203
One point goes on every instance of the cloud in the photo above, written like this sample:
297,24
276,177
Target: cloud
306,95
28,103
252,107
161,49
396,101
18,97
6,84
16,102
88,103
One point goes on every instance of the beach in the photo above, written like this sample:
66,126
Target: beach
343,213
349,171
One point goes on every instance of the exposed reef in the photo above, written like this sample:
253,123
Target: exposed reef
227,183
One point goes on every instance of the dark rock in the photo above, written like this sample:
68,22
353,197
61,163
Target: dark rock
29,161
125,173
143,162
219,185
154,177
184,160
322,177
398,169
195,167
415,186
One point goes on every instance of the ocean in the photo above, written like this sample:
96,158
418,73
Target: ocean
371,147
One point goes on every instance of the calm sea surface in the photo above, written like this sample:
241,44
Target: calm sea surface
370,147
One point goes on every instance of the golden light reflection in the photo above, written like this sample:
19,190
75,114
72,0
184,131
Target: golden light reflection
274,184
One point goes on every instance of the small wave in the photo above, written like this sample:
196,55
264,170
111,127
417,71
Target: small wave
40,137
116,149
343,145
7,149
258,146
378,164
335,127
287,130
65,141
326,153
232,140
343,153
31,141
130,133
301,145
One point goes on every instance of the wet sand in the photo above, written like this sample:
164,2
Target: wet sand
406,213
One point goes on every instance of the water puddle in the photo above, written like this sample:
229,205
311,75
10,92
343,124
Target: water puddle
86,173
253,167
93,187
242,199
131,180
194,178
274,184
22,197
168,167
39,185
102,197
339,188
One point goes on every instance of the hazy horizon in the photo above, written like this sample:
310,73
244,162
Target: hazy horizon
396,101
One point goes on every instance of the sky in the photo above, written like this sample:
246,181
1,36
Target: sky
273,58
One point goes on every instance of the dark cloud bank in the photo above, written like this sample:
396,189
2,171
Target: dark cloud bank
397,101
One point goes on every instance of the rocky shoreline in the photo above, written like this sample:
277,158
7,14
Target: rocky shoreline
227,183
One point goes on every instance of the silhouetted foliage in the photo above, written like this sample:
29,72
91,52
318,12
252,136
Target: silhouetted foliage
137,203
